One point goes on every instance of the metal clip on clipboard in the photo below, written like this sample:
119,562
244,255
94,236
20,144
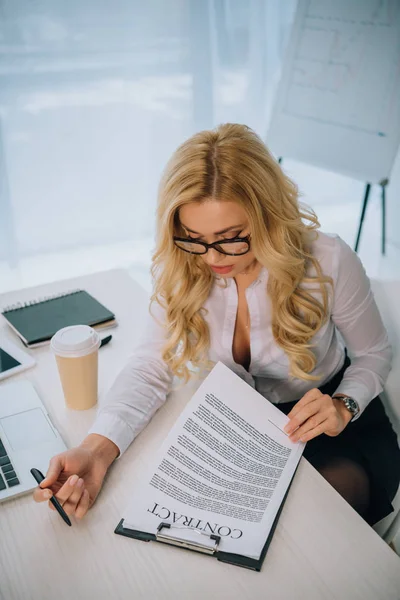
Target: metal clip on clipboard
207,547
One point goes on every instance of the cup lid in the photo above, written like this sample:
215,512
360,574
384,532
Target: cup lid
75,341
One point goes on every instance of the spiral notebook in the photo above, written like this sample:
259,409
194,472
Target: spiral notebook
36,322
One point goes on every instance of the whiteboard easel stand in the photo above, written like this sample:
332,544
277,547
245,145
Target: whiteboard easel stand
383,183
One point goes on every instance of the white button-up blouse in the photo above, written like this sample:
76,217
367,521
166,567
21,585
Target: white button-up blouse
354,322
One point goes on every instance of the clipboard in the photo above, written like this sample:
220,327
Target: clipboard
174,535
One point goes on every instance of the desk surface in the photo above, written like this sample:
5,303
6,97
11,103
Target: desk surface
321,548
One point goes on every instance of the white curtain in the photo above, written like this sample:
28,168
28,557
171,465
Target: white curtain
95,95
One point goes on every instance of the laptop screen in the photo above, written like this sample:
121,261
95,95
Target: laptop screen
7,362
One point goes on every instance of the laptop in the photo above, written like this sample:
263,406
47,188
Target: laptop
28,438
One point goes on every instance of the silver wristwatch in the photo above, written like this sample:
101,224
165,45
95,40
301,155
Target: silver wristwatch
350,404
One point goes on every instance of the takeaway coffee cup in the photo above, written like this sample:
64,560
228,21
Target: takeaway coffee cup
76,351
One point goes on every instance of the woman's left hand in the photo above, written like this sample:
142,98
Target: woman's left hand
317,413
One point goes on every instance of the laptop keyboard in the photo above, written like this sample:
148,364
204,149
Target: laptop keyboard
8,477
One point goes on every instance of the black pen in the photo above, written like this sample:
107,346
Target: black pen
39,478
105,340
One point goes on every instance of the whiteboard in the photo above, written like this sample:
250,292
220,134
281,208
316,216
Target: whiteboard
338,100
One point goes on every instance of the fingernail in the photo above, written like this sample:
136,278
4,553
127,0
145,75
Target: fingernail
73,480
80,483
48,494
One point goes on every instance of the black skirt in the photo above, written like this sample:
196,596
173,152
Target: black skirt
369,441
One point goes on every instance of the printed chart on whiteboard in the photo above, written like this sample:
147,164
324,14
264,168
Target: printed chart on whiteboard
338,102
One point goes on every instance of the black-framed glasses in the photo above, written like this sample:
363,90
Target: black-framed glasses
233,247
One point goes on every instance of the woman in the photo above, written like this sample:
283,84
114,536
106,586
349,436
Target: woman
243,275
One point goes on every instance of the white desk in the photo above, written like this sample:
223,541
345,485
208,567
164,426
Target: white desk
321,548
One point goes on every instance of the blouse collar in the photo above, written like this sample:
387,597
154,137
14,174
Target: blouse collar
262,278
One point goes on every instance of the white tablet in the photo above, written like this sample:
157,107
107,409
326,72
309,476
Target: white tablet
13,360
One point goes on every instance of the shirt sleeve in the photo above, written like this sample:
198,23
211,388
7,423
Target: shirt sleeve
140,388
357,318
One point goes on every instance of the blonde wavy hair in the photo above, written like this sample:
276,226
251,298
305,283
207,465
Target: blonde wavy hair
232,163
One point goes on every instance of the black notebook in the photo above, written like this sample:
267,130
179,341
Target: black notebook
36,322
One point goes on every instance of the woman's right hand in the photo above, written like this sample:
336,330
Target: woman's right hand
75,476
